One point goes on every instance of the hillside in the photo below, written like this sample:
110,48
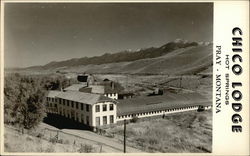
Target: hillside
178,57
123,56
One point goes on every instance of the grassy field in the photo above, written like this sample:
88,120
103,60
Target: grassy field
42,139
181,132
35,141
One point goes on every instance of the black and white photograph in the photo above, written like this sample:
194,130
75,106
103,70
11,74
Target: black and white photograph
108,77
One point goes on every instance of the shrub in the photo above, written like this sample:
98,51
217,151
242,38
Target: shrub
110,135
60,141
66,142
50,149
134,119
53,140
152,141
201,118
29,138
39,135
85,148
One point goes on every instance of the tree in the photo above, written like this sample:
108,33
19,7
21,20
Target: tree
29,107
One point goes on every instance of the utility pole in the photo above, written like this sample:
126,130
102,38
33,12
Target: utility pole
124,136
180,81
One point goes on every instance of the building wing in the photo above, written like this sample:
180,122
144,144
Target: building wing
157,103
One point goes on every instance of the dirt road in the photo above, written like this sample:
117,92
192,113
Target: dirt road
107,143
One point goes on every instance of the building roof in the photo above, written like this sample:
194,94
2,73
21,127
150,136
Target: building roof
85,89
87,98
75,87
161,102
53,93
102,89
99,89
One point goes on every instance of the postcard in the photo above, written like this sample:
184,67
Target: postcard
114,77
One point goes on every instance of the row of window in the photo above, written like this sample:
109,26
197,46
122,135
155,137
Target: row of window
51,105
79,105
104,107
69,103
50,99
71,114
155,112
104,120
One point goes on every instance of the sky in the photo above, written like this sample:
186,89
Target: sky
39,33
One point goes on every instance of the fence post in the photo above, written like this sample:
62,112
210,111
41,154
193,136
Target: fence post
124,136
101,149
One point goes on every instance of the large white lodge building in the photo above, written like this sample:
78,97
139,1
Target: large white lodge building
91,105
87,108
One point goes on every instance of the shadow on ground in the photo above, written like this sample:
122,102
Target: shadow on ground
64,123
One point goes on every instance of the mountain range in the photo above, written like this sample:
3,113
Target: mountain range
176,57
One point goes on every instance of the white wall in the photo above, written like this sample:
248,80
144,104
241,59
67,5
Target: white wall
104,113
153,113
92,114
65,111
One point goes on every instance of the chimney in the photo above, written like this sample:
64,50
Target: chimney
112,85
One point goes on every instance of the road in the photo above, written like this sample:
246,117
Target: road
107,143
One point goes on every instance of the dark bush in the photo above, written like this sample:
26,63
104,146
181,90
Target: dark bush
134,119
85,148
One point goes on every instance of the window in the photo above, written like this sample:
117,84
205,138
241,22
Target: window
47,98
111,118
111,107
60,101
61,111
63,101
67,102
104,120
56,105
72,104
81,106
104,107
76,105
87,108
97,121
82,116
77,119
72,114
97,108
87,118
